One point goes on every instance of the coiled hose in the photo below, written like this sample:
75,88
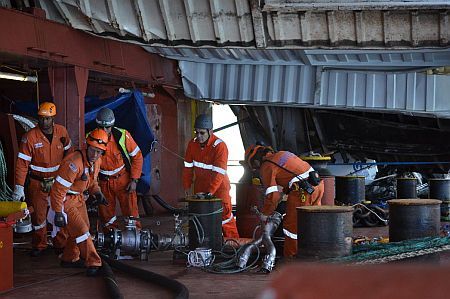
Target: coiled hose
179,289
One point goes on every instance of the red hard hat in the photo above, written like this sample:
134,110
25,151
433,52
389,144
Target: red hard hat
98,138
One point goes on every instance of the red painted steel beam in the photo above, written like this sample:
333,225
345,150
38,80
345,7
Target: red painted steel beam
28,35
68,85
71,54
166,167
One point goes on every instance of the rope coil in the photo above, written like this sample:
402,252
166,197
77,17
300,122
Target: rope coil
385,253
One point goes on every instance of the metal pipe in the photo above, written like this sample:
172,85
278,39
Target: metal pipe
245,255
273,221
231,124
270,123
145,94
18,77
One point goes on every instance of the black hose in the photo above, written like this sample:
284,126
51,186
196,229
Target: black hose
147,204
110,280
180,290
166,206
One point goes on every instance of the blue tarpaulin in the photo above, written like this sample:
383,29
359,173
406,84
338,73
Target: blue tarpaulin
130,113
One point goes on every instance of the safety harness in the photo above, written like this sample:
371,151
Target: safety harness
306,185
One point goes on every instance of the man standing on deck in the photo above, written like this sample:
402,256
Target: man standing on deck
40,153
120,170
206,158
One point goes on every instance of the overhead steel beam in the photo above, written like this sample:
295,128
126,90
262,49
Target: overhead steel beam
30,36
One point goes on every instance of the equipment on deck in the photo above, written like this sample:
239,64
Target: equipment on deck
326,231
350,189
133,241
24,225
10,212
413,218
205,222
269,229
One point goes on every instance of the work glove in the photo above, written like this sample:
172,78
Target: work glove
100,199
59,220
18,194
132,185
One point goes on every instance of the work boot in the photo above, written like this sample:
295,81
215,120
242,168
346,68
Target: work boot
36,252
93,271
77,264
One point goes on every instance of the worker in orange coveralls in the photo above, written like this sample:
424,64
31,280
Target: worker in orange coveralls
299,181
120,170
206,158
75,180
40,153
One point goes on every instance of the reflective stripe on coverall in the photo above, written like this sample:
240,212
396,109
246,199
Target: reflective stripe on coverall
209,165
273,176
42,158
67,182
113,166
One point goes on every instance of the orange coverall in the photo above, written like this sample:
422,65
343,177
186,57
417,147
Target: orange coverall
67,196
42,158
273,176
114,179
209,164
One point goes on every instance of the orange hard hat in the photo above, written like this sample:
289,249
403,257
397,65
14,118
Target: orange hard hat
47,109
98,138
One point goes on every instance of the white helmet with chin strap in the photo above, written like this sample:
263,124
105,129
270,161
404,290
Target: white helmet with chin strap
105,118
